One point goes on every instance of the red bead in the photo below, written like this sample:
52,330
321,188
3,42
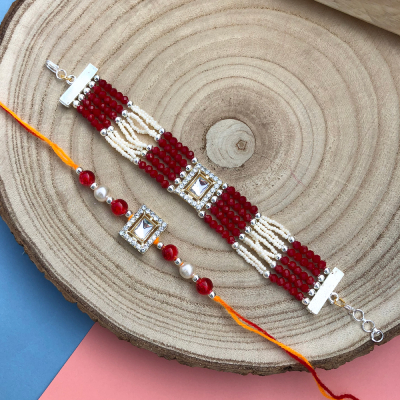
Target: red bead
242,212
124,100
304,262
310,266
236,195
168,148
292,265
310,280
230,190
213,224
299,296
148,169
213,210
285,260
273,278
304,288
298,283
204,286
79,109
113,92
280,281
179,146
296,245
293,291
160,178
242,200
190,155
316,258
161,167
225,234
87,178
208,218
142,165
119,96
235,232
219,229
150,156
315,271
247,205
155,150
102,82
230,240
154,174
177,170
286,273
292,278
279,269
183,163
291,252
119,109
254,209
119,207
287,286
178,158
184,150
297,257
297,270
303,249
237,207
164,184
225,209
224,221
247,217
322,265
310,254
107,87
173,141
167,135
171,176
230,201
242,225
220,203
162,142
236,219
304,276
170,252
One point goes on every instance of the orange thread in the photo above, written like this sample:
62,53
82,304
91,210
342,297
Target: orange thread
58,150
156,241
299,357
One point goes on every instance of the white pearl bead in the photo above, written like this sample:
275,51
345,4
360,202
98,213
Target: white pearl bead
101,193
186,271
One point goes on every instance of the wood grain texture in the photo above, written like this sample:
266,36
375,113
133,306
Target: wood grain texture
309,104
385,14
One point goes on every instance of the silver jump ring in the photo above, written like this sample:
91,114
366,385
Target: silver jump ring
61,74
376,333
359,311
368,321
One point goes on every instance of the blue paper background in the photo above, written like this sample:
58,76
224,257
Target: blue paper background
39,329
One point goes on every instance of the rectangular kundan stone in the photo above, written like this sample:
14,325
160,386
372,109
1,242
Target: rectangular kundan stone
325,290
79,84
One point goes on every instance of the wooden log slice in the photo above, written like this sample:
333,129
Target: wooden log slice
295,104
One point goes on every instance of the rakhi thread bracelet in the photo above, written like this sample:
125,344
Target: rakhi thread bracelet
178,171
144,228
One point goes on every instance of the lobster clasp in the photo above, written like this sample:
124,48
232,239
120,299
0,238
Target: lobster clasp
60,73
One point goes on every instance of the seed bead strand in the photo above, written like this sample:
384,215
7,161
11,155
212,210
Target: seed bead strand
130,134
277,224
149,120
251,259
146,129
260,239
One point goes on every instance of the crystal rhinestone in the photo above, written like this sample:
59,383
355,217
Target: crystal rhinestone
200,186
272,264
235,245
290,239
266,274
327,271
143,229
311,292
78,170
306,301
321,278
317,285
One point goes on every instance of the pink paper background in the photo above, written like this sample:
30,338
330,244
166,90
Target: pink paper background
105,368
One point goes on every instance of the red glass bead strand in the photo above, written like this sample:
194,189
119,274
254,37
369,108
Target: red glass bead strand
173,141
113,92
241,200
223,232
155,175
280,281
83,109
170,175
286,273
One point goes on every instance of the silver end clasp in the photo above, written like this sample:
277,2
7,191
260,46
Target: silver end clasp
60,73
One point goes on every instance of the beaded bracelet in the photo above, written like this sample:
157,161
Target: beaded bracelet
144,229
178,171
